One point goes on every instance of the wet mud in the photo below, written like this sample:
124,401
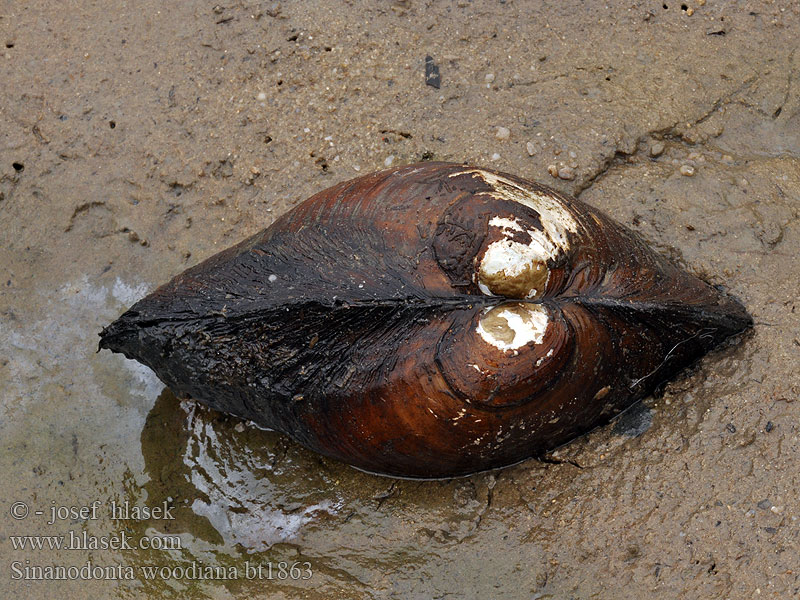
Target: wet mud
136,141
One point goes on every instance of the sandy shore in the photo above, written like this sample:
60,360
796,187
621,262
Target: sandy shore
137,139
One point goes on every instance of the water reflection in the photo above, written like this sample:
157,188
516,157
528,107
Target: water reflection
229,480
241,493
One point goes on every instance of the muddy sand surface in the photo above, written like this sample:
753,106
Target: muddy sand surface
138,138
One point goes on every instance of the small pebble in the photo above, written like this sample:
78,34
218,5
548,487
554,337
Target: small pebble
567,173
531,148
489,77
695,156
495,156
389,160
261,96
764,504
432,76
503,133
656,149
701,2
687,170
689,12
553,170
239,427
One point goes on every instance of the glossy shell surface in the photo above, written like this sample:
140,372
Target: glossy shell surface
431,320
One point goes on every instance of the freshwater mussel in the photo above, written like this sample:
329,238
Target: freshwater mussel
431,320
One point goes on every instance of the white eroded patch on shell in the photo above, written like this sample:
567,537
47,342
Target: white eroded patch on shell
508,265
557,221
505,223
541,360
512,326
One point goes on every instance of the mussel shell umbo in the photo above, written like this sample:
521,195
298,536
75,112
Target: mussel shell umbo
429,321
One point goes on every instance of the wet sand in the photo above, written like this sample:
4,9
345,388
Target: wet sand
137,140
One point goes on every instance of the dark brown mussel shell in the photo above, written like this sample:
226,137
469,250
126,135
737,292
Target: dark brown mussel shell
431,320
